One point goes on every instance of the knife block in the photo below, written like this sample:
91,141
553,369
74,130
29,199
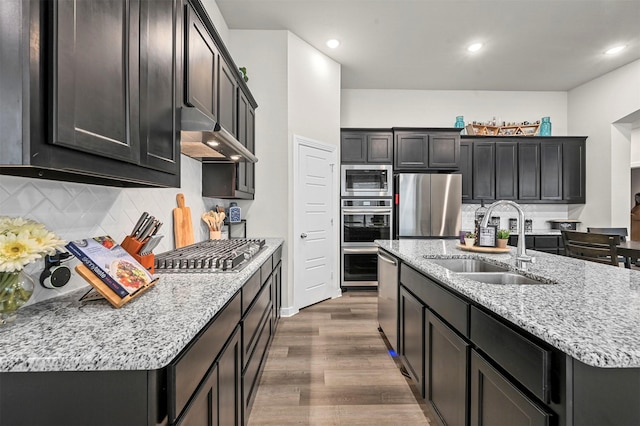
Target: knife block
133,247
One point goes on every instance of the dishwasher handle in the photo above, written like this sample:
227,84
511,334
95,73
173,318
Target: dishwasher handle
394,262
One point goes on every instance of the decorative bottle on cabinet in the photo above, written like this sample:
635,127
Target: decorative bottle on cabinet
545,127
459,122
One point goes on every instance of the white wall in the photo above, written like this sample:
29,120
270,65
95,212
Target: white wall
298,92
439,108
593,108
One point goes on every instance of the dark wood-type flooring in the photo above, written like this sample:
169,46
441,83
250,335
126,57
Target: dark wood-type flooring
329,365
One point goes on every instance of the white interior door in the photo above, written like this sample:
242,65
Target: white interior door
314,212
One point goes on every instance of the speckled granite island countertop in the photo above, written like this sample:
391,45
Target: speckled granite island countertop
64,334
592,313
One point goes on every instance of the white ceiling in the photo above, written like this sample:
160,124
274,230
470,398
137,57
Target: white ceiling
421,44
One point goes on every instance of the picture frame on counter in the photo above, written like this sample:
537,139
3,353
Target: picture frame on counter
487,236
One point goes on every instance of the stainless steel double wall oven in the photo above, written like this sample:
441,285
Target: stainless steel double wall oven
366,215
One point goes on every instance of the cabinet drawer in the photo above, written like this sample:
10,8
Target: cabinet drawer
277,256
448,306
525,360
252,321
266,268
188,370
251,375
249,291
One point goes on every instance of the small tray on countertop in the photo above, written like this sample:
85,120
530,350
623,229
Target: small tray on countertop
484,249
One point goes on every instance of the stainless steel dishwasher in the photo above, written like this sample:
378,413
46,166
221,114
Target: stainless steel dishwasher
388,297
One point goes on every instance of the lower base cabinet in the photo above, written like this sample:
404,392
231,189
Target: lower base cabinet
411,337
496,401
446,371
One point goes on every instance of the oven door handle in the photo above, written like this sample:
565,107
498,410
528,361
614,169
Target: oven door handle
365,211
358,250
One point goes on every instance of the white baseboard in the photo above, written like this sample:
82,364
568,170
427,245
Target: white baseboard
288,311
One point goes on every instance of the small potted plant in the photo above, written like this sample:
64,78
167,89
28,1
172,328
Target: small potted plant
503,237
469,239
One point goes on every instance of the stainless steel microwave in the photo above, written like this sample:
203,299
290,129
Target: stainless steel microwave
366,180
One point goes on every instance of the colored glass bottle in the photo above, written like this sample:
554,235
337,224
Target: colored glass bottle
545,127
459,122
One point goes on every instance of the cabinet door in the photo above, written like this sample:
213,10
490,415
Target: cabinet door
447,357
242,134
496,401
529,171
353,147
411,151
229,383
201,63
411,338
444,152
203,411
276,296
551,170
96,77
466,169
484,177
227,98
506,171
573,169
379,148
159,142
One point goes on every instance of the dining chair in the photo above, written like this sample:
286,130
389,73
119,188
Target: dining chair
623,237
591,246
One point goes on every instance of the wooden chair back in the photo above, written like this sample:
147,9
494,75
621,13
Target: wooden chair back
592,246
611,231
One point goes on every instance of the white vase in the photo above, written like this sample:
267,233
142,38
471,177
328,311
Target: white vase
469,242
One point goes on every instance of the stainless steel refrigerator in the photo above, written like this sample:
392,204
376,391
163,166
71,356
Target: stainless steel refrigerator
428,205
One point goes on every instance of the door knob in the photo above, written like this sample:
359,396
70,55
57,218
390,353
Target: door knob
303,235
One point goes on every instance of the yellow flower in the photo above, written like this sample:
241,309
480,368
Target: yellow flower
23,241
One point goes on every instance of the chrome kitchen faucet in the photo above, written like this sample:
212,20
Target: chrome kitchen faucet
522,259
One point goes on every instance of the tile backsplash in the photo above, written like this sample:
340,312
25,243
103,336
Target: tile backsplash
75,211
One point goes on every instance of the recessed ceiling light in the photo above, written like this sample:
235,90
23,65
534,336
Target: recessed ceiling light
474,47
615,50
333,43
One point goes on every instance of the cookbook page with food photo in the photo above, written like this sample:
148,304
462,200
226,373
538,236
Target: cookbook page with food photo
111,263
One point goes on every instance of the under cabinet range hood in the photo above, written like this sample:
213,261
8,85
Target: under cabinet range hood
201,137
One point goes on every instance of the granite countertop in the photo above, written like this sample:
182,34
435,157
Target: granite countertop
147,333
592,312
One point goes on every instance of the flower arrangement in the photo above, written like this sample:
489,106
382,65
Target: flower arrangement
469,235
503,234
22,241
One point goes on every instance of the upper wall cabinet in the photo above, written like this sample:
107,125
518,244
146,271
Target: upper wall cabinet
528,170
201,61
426,149
101,83
366,146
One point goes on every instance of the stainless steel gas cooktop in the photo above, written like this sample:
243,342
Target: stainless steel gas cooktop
210,256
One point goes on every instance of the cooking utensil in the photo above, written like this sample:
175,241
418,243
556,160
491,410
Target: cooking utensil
148,230
148,247
143,218
182,225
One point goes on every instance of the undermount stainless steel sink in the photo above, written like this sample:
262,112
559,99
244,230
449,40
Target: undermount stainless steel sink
500,278
469,265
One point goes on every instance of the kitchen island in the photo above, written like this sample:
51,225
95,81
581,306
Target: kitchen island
568,348
61,357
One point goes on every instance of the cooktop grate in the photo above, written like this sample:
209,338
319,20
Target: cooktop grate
210,256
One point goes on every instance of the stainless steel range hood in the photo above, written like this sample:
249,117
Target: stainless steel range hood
201,137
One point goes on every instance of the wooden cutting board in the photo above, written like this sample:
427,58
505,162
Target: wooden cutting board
182,224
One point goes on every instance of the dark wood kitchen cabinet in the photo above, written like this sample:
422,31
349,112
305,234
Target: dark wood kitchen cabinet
484,174
202,60
426,149
466,169
551,171
114,91
103,91
366,146
529,171
411,314
574,173
446,364
245,171
227,98
506,170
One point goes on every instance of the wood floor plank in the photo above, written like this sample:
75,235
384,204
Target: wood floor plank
329,365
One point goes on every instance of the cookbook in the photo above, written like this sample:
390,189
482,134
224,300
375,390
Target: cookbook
111,263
